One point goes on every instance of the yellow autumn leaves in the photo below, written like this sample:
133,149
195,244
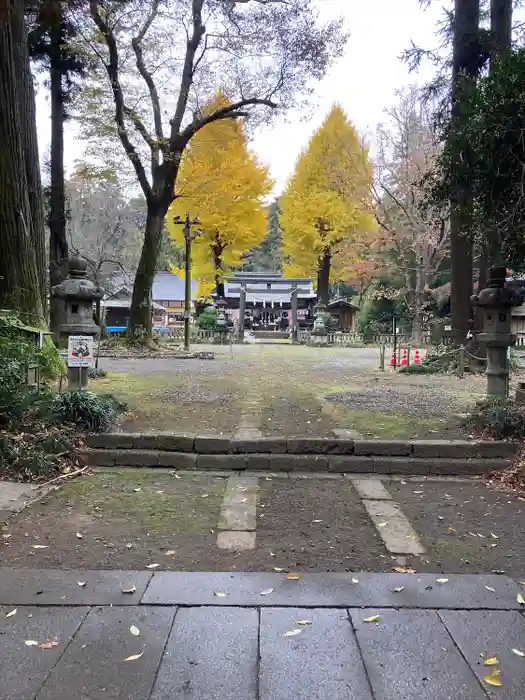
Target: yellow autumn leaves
222,183
327,208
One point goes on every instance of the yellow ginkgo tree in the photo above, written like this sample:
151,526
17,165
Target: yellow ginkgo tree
222,183
327,205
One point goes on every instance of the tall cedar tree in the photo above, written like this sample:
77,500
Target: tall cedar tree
51,38
220,182
327,201
465,66
22,244
165,58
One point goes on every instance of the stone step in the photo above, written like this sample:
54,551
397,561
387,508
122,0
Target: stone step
342,464
319,446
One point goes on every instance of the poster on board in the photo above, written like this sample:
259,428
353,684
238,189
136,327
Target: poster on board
80,350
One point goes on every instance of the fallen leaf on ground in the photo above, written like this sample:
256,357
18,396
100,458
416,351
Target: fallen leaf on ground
131,589
6,535
129,545
134,657
303,623
493,678
317,521
522,583
518,652
520,599
278,569
170,552
372,618
13,612
292,633
355,580
205,495
81,584
134,631
30,643
452,529
220,594
39,546
176,476
398,589
380,525
492,661
489,588
267,591
151,566
292,577
272,554
159,492
80,535
441,580
496,537
403,570
49,644
418,492
137,489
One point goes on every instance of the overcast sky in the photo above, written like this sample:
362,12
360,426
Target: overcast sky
363,81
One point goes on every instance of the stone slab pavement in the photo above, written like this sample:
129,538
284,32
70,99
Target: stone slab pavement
206,636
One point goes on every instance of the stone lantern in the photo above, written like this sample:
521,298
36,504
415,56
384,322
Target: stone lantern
222,323
319,334
79,328
496,300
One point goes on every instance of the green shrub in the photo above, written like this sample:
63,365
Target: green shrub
207,321
86,410
500,418
97,373
423,368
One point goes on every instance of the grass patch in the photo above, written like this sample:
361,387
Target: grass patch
387,425
163,505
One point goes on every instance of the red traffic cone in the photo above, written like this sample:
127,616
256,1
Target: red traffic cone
417,358
393,359
404,360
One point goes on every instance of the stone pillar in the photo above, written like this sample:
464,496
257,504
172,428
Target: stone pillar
242,311
78,294
294,327
496,302
222,325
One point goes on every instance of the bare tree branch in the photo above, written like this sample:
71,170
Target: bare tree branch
112,68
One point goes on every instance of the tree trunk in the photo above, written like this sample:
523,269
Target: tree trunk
464,72
58,248
217,251
21,237
500,27
140,320
323,276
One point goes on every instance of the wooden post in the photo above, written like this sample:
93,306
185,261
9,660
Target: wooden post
382,350
293,302
242,312
461,368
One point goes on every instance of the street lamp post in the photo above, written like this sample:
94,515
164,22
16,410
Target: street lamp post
188,238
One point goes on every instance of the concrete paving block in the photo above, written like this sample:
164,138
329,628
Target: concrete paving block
409,655
342,446
321,662
210,655
236,541
226,461
136,458
372,489
350,463
172,443
14,496
112,441
311,445
466,467
258,462
393,527
55,587
211,444
94,666
24,668
334,590
240,517
294,462
390,448
178,460
260,445
491,633
401,465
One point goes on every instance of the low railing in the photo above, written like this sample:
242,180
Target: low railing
349,339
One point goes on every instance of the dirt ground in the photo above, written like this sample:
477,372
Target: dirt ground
289,390
467,528
135,519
